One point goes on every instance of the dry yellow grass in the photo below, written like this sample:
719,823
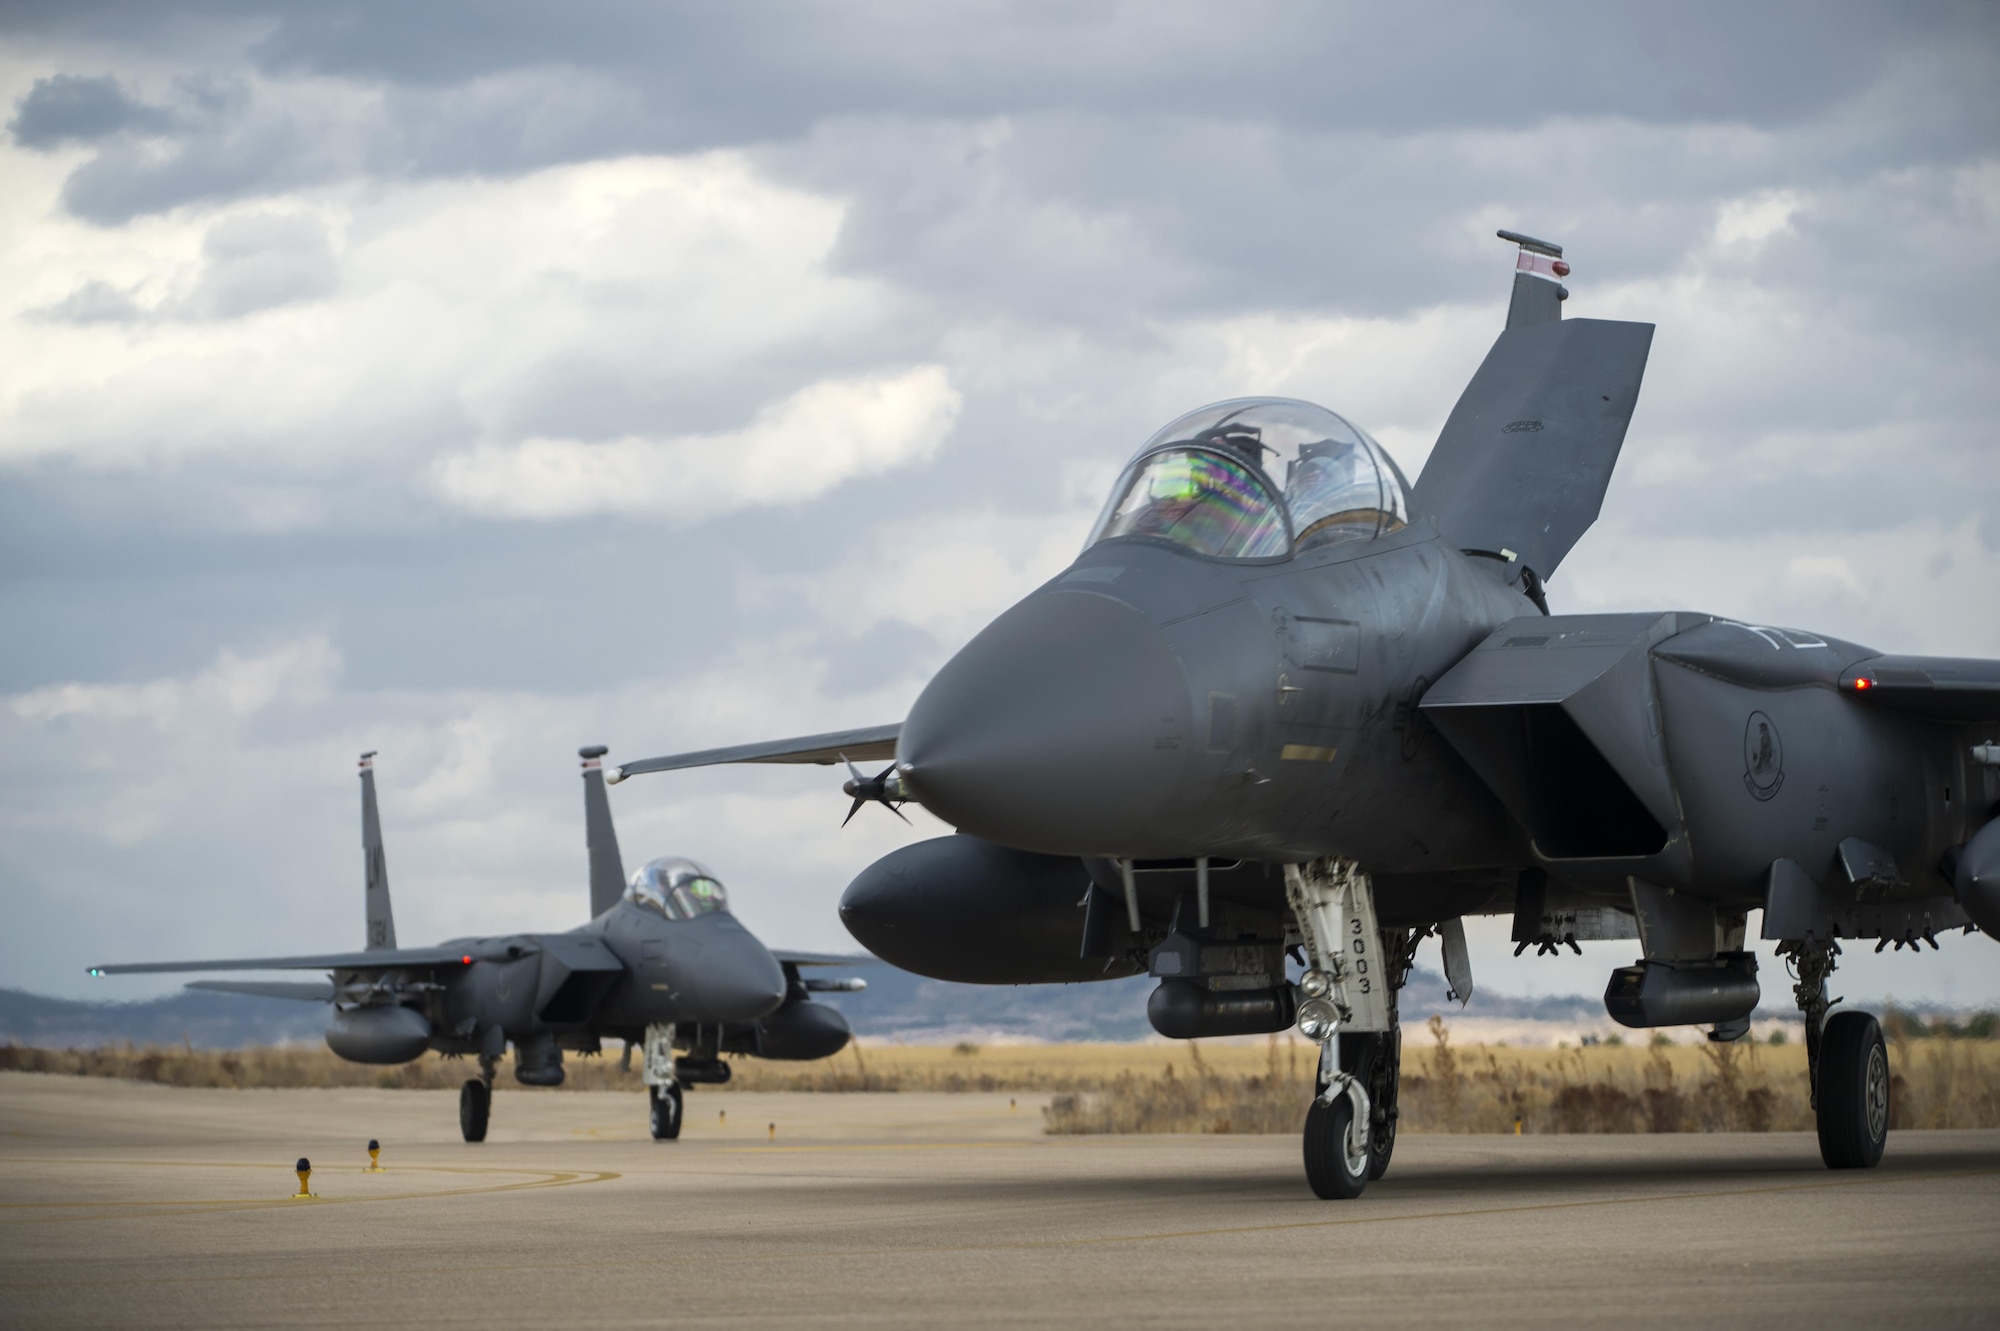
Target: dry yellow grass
1938,1083
1242,1086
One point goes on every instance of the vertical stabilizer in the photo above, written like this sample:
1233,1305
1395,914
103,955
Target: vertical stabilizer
381,920
1538,289
607,870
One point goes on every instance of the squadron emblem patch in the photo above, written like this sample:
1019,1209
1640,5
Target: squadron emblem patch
1763,756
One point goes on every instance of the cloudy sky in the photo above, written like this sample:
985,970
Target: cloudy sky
470,383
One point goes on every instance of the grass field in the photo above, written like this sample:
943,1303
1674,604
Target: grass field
1941,1081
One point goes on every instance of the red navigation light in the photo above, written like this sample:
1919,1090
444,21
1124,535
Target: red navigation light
1560,268
1863,683
468,961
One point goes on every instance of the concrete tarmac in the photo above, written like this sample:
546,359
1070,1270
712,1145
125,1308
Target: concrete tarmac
131,1205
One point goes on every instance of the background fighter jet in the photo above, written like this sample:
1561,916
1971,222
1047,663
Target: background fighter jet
1284,701
662,964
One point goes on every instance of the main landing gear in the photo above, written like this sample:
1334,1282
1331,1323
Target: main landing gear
1847,1063
475,1103
1349,1008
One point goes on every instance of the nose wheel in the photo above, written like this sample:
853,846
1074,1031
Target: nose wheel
1337,1160
665,1102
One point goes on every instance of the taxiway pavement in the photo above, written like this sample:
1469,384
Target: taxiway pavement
124,1204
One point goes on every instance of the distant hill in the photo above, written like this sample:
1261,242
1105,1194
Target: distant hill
204,1020
896,1006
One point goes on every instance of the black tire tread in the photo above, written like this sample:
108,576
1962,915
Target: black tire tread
475,1109
1846,1140
1327,1173
671,1130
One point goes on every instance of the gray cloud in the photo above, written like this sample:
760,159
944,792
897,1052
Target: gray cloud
92,303
69,109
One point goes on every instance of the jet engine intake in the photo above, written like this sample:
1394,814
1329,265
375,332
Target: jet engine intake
1684,993
1977,879
378,1034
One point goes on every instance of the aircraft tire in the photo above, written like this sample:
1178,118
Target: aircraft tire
1331,1173
1370,1057
664,1102
475,1106
1853,1092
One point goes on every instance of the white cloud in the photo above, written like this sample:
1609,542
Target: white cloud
228,692
1750,221
795,449
394,324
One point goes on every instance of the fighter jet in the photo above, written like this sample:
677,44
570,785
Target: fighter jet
662,965
1285,701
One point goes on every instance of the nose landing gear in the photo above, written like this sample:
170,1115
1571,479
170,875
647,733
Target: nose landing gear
1350,1009
663,1088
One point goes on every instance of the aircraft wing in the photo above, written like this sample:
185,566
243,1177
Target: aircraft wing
869,744
1526,455
306,991
1950,688
382,959
824,958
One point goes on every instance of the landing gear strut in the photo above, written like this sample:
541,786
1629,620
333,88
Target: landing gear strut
475,1102
1349,1009
1847,1063
663,1088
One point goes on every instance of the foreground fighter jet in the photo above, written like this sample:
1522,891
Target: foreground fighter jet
662,964
1285,701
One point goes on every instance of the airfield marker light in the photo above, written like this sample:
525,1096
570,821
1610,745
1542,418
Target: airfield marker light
304,1169
774,1132
374,1158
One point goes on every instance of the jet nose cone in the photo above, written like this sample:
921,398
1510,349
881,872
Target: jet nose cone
735,978
1062,728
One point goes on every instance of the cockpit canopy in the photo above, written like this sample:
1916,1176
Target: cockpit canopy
678,889
1254,478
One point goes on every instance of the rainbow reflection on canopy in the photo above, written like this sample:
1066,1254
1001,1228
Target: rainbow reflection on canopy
1208,482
